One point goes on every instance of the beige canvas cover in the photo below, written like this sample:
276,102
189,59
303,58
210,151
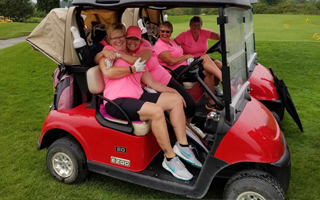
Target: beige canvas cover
53,36
106,17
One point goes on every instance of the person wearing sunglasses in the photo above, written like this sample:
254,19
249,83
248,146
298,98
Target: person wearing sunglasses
172,56
195,42
139,47
123,86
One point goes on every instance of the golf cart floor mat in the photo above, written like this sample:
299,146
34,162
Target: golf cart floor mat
155,169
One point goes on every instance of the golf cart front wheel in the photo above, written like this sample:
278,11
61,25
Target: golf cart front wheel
253,185
66,161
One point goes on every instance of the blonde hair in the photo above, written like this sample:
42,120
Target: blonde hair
116,27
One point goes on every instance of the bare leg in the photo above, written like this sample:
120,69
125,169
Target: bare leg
209,81
219,65
211,67
173,103
153,112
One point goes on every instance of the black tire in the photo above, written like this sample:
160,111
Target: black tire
66,161
276,116
253,184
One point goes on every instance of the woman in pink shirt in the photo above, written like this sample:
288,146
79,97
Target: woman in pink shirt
195,42
123,86
171,55
142,48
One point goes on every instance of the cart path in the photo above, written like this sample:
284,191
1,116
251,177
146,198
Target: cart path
12,41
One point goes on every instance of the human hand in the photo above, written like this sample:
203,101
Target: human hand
189,61
188,56
181,97
139,66
108,63
110,55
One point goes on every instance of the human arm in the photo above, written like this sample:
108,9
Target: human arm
166,57
107,53
214,36
143,54
119,72
114,72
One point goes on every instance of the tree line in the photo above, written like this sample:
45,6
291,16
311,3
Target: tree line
310,7
22,10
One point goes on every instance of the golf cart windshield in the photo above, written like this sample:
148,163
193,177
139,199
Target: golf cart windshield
235,42
249,38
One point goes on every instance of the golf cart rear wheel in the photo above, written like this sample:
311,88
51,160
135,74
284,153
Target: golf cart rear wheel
276,116
253,185
66,161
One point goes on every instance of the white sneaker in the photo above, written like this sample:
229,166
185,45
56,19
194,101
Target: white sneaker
177,168
186,154
218,91
198,130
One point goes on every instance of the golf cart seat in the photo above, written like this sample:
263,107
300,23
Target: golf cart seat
96,86
188,85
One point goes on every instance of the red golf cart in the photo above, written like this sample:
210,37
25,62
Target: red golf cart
244,144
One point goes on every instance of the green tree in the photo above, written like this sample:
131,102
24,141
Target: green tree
271,2
17,10
195,11
318,5
47,5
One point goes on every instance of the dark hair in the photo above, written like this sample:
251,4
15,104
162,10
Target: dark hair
167,24
195,19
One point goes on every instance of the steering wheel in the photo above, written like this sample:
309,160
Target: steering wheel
193,66
214,48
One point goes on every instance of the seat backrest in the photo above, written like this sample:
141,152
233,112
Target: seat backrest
95,80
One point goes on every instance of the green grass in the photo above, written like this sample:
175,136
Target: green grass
26,92
15,29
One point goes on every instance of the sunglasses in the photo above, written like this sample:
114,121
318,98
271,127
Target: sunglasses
117,38
163,31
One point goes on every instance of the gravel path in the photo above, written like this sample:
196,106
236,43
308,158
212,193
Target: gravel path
12,41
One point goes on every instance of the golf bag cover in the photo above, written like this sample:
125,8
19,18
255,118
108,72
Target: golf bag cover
63,89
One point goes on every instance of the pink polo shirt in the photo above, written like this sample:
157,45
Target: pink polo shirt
125,87
175,50
157,72
192,47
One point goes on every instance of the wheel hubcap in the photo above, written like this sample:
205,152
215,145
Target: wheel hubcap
62,164
250,196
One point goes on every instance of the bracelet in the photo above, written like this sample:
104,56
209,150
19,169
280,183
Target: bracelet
118,54
130,69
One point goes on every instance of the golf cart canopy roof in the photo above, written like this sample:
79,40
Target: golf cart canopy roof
118,4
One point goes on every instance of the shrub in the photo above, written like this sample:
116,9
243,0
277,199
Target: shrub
260,8
33,20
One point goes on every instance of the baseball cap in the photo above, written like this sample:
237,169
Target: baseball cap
134,31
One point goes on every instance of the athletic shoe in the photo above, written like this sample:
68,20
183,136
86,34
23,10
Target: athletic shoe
186,154
177,168
198,130
218,91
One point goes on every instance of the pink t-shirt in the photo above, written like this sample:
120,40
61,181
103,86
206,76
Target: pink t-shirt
175,50
125,87
192,47
157,72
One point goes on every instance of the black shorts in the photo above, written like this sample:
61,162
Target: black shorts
130,106
182,67
190,110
